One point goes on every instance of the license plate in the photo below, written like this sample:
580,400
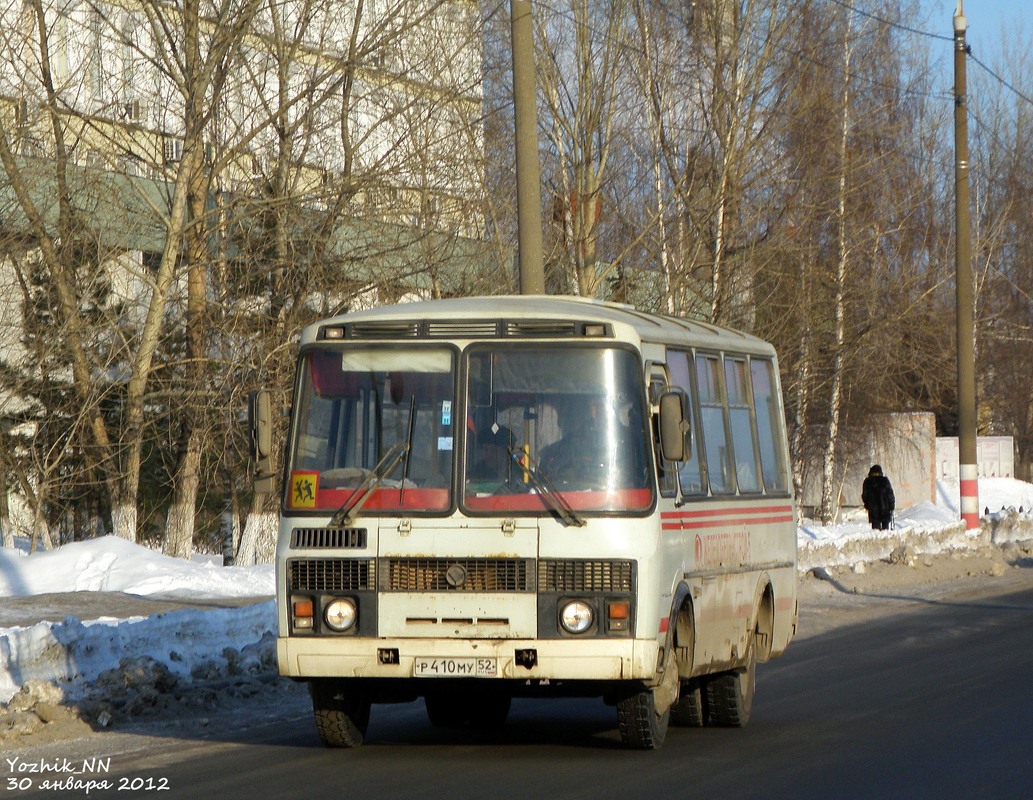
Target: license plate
455,667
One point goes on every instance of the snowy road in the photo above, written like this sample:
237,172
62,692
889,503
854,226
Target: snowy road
925,698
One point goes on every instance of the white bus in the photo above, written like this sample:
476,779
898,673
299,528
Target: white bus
488,498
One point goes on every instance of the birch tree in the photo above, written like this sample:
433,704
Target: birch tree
580,76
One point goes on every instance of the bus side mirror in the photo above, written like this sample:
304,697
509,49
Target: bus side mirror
260,439
675,428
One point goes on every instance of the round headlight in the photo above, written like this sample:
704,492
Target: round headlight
576,616
340,615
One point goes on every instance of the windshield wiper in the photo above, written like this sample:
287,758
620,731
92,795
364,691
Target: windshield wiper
408,450
345,515
555,500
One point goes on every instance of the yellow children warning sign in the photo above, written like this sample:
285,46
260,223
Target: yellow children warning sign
303,489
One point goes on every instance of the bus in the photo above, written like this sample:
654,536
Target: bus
531,496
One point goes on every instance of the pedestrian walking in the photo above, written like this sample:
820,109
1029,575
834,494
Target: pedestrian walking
878,499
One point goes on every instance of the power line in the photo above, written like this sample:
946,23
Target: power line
1000,80
799,54
757,38
940,37
891,23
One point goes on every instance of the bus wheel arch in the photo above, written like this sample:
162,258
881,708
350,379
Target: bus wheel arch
763,628
684,635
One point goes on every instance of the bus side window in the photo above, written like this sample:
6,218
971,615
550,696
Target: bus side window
691,474
740,419
769,426
712,409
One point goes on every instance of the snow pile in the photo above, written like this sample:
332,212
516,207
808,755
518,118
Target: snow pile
926,528
113,669
188,642
111,564
995,495
107,670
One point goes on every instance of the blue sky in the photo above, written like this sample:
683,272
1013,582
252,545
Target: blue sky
989,22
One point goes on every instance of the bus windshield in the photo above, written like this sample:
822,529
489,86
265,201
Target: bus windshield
357,406
543,428
567,421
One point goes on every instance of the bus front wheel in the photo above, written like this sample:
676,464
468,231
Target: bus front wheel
341,712
639,723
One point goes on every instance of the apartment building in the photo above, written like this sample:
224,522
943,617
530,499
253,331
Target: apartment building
377,100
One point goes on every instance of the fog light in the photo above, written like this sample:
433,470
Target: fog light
340,615
576,616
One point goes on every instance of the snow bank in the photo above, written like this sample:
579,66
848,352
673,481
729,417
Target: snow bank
926,528
111,564
995,494
72,653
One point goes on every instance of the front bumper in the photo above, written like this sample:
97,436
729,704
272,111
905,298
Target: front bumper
567,659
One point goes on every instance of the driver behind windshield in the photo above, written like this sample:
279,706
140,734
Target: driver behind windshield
592,439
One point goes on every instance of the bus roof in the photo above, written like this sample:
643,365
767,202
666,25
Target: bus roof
455,319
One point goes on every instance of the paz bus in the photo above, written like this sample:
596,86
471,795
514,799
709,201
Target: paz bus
531,496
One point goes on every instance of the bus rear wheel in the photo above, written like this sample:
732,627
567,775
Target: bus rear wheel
341,712
641,727
690,710
730,694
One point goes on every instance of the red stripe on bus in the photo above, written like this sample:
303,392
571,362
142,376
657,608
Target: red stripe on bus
664,624
688,524
719,512
734,521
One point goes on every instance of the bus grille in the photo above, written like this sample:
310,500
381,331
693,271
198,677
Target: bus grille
472,329
331,575
586,576
328,537
456,575
556,328
383,330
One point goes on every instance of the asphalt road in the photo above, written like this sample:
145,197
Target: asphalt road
934,700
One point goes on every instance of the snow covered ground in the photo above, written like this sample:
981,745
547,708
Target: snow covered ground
109,669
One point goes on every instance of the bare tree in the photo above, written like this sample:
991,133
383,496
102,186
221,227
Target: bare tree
1002,256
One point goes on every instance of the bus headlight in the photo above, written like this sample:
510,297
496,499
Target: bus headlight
576,616
340,614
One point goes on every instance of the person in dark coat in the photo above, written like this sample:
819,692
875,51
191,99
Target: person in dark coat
877,496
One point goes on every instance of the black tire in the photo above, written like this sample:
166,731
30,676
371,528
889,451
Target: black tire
690,711
341,713
639,724
730,694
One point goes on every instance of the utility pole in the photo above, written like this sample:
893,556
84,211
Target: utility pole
528,169
968,467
